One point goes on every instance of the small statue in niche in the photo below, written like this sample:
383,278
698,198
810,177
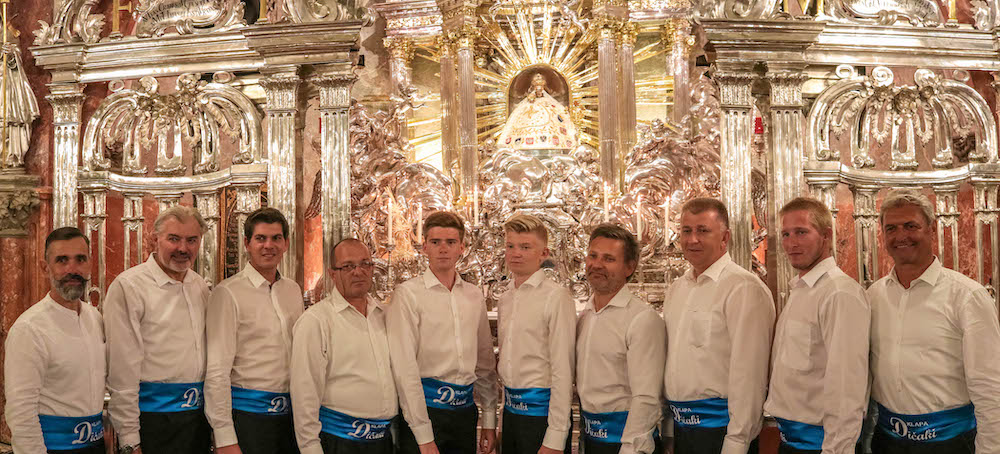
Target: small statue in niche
538,122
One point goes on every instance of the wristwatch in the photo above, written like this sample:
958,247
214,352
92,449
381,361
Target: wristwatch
127,449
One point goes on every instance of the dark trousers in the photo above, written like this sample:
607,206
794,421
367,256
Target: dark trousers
525,434
96,448
694,440
883,443
783,448
183,432
596,447
265,434
335,445
454,431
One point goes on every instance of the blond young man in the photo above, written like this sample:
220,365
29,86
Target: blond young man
536,331
819,373
442,350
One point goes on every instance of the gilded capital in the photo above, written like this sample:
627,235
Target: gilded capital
465,37
17,205
628,32
400,47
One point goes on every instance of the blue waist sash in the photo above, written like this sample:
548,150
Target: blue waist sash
170,397
800,435
937,426
62,433
704,413
527,401
604,427
446,396
350,428
261,402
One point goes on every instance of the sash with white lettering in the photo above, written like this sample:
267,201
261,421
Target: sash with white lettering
446,396
170,397
604,427
350,428
703,413
799,435
527,401
261,402
937,426
63,433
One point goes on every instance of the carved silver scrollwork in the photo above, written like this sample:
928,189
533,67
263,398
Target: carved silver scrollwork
299,11
873,107
155,17
734,9
198,115
925,13
72,23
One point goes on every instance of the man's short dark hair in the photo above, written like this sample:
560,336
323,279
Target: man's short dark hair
64,234
445,219
701,204
266,215
617,232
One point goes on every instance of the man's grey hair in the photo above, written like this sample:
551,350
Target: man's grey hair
901,197
182,214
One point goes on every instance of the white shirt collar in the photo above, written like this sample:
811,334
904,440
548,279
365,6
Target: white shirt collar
160,277
816,272
621,299
256,279
713,271
930,275
430,280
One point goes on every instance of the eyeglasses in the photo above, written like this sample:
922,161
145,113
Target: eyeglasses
365,266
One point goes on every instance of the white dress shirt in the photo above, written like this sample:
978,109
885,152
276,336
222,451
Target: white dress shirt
719,329
537,330
155,327
249,343
444,335
819,372
54,365
621,351
340,360
935,347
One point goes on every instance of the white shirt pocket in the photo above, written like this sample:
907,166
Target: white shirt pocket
798,342
701,328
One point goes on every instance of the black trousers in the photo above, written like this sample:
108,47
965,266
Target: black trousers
883,443
184,432
96,448
335,445
454,431
525,434
596,447
693,440
783,448
265,434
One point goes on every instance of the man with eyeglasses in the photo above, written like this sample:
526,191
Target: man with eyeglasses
250,316
343,393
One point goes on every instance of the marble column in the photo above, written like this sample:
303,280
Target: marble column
607,102
284,156
784,161
67,102
207,203
449,108
467,135
735,81
626,104
866,232
400,58
987,211
334,108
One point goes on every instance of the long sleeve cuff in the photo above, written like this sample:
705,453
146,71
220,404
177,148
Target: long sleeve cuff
423,433
489,418
555,439
734,447
313,448
225,436
128,439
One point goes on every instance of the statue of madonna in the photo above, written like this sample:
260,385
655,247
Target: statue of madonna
538,122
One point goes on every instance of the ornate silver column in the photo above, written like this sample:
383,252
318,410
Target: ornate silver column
247,200
826,192
784,162
166,201
465,51
987,212
735,80
676,34
207,203
449,104
283,155
626,105
400,56
866,232
607,101
334,108
95,214
132,219
67,101
946,210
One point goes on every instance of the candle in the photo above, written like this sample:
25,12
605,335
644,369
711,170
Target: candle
475,205
606,210
638,217
420,222
391,241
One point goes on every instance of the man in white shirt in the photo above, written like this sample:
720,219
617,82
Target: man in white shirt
819,374
343,393
537,332
249,340
621,350
442,350
935,338
719,320
154,319
54,367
